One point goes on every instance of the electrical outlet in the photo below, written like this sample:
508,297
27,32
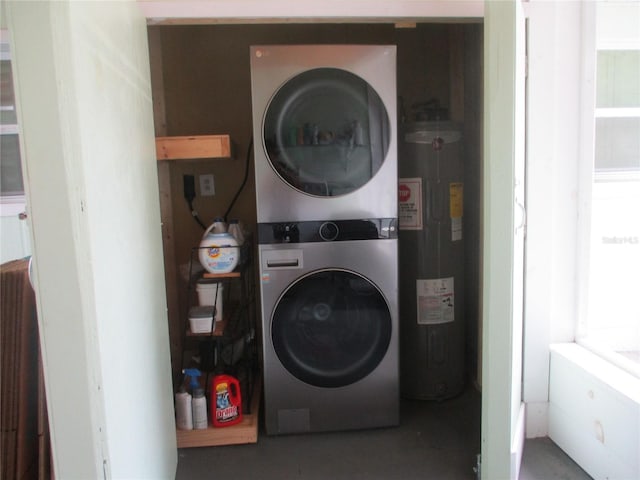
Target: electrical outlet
207,187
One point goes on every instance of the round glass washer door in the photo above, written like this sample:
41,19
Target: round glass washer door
331,328
326,132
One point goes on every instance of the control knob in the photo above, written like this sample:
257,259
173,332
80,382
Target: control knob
328,231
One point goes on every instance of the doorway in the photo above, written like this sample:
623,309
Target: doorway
203,71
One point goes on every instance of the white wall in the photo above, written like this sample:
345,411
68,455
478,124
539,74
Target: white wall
590,408
84,101
552,208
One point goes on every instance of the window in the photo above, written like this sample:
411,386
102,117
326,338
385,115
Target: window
11,184
14,230
610,321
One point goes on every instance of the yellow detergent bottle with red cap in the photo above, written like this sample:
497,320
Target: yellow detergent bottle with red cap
226,401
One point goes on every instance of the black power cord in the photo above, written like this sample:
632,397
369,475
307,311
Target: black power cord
189,186
244,181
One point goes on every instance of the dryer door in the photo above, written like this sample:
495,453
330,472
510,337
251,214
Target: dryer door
331,328
326,132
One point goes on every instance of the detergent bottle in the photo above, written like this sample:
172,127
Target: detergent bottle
235,229
226,401
219,225
218,252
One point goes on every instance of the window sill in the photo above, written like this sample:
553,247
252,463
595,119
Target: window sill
12,205
594,412
615,359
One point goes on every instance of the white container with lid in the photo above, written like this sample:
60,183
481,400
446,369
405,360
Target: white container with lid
201,319
210,293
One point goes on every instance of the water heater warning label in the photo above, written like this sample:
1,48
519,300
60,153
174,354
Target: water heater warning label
455,210
410,204
435,301
455,199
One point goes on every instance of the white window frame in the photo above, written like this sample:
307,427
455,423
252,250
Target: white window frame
10,205
589,49
15,240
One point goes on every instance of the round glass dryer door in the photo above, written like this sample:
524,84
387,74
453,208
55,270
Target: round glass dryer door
331,328
326,132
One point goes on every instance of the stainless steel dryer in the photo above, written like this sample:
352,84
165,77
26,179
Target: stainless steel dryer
324,125
330,324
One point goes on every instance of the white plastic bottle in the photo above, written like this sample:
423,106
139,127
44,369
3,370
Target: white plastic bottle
218,252
218,225
199,406
235,229
184,413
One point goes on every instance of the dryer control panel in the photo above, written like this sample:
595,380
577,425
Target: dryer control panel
327,231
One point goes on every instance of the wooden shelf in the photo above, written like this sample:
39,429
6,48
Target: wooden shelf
244,432
234,274
193,147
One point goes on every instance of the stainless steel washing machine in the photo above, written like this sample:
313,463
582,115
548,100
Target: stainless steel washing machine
330,324
324,129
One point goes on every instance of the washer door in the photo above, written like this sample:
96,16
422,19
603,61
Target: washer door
331,328
326,132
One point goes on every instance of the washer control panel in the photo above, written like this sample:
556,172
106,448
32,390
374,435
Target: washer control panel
327,230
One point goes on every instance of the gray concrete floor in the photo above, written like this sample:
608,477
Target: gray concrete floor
436,440
542,459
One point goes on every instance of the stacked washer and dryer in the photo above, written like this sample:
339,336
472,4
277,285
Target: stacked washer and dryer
324,125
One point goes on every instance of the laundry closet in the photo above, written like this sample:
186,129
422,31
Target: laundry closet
201,81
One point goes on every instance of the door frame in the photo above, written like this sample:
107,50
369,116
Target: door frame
497,346
503,223
502,433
